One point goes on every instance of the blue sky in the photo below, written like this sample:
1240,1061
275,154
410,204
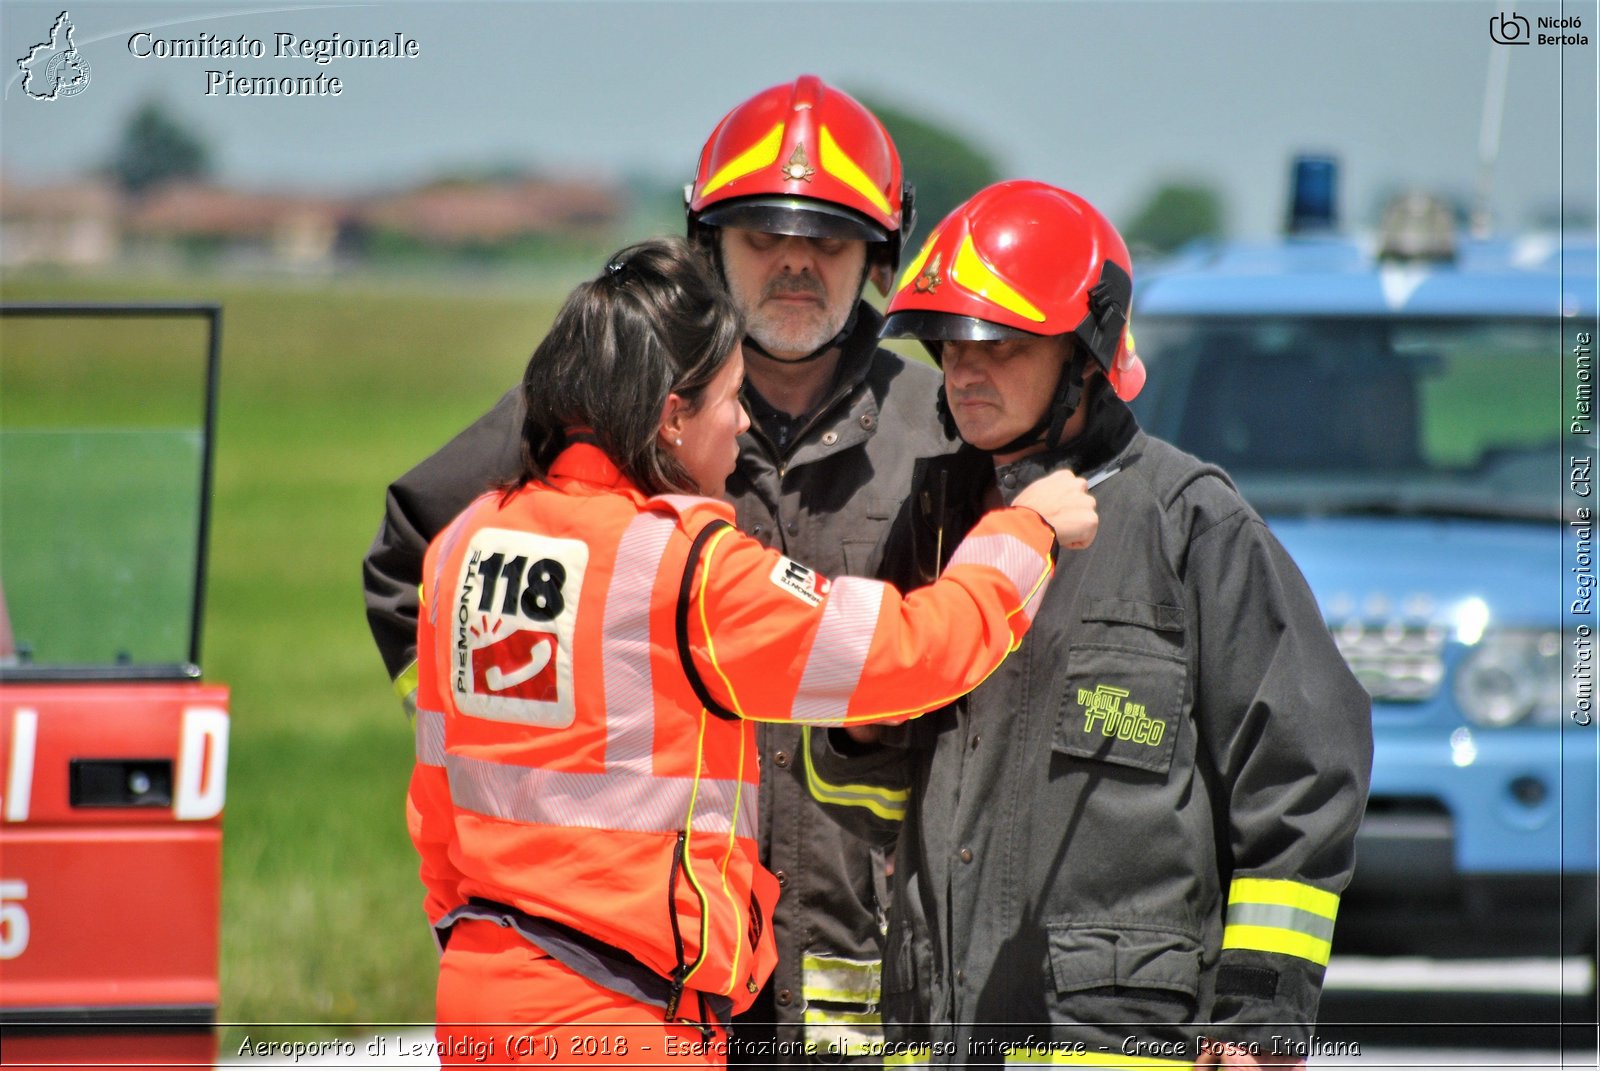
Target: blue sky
1106,98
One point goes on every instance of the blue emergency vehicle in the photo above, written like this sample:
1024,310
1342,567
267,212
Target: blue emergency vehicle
1398,408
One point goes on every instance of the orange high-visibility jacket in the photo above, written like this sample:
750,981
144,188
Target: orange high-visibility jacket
590,661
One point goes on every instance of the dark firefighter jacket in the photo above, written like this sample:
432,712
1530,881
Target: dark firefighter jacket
1140,825
827,501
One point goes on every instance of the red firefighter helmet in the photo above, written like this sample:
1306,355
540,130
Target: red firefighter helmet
1023,258
807,159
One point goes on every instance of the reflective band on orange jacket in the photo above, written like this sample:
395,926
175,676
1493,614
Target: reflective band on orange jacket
567,764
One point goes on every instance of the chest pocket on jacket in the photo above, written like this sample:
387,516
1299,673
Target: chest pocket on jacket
862,547
1126,688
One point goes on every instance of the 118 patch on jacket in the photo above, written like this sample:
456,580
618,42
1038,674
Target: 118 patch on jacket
512,623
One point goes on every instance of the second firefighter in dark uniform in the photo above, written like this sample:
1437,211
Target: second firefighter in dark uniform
1126,847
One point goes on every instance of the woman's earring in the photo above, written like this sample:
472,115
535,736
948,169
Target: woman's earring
678,441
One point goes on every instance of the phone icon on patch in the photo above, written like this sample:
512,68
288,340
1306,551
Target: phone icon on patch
520,666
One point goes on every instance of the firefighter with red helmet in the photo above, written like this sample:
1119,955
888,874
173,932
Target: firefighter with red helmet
799,198
1126,848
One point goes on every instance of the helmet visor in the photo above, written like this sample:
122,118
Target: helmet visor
947,327
932,328
800,216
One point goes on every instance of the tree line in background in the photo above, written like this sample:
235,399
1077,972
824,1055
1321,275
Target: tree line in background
156,147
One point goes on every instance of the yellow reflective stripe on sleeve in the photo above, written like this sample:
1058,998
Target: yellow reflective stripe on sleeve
973,274
757,156
1273,939
836,162
837,980
1018,1055
405,686
1283,893
887,803
1288,918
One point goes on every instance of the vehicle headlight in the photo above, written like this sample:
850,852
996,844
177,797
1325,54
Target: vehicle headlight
1512,677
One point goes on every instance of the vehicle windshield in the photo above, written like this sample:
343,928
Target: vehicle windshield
103,423
1364,415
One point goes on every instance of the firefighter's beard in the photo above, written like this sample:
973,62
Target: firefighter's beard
787,325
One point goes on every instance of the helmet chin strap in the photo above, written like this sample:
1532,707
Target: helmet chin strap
1063,403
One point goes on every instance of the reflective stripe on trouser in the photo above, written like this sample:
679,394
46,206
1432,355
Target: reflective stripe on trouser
490,975
1285,917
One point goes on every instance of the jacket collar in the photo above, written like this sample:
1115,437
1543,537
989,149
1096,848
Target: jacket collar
585,463
855,359
1109,429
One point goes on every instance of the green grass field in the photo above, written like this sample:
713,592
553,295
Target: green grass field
328,391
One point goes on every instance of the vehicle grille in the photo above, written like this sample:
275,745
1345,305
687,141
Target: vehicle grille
1394,661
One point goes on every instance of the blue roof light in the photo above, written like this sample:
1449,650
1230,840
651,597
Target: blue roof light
1314,196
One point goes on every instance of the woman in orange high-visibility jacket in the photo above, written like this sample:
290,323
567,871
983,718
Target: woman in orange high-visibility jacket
594,644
